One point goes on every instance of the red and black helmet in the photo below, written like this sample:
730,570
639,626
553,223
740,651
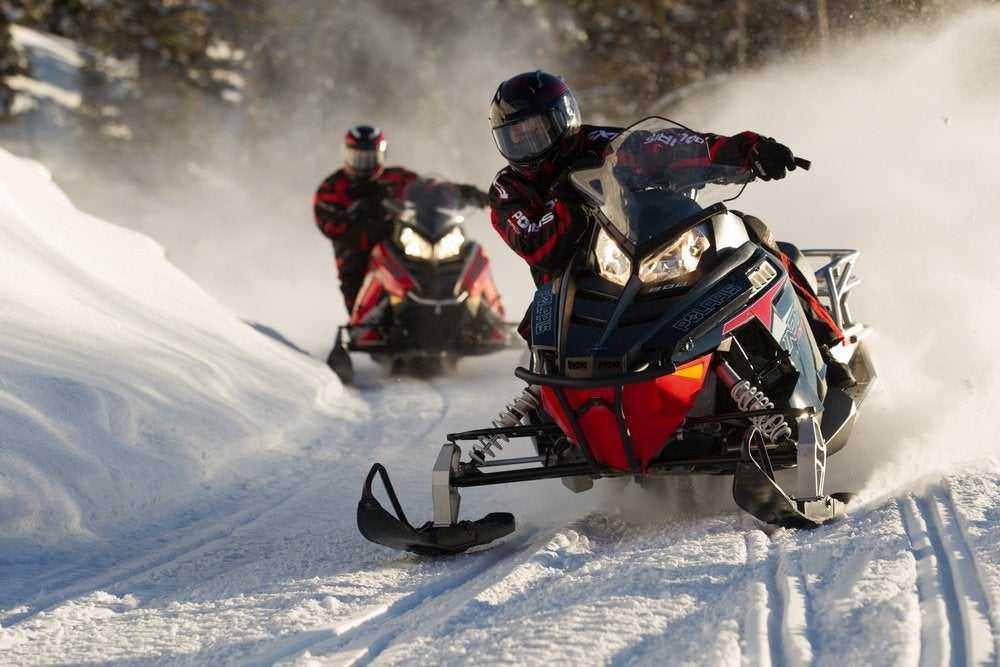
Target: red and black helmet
531,114
364,151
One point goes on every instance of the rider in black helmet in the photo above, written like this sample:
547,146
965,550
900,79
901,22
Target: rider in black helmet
537,128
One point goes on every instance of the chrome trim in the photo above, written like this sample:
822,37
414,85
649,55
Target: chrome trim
836,279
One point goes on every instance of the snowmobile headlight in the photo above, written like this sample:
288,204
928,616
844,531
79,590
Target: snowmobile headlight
612,262
414,244
450,244
676,260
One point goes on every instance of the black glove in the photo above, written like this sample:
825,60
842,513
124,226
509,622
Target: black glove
770,160
367,189
474,196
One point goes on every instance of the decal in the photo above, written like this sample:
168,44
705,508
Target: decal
707,306
793,329
524,223
501,191
543,318
673,138
602,134
520,219
762,309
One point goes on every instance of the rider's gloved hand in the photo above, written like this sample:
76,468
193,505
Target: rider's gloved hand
770,160
474,196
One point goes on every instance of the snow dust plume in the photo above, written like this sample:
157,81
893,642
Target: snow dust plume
241,224
904,133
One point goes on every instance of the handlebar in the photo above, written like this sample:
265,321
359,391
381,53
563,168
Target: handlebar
803,163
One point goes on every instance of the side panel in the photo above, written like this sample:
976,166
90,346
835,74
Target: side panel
477,280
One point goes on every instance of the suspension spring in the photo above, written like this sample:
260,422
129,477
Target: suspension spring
512,415
747,397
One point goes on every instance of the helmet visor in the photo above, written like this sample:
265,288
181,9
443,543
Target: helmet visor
529,137
364,161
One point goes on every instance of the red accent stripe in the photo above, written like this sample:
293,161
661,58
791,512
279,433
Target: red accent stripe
334,229
805,293
562,215
762,309
713,149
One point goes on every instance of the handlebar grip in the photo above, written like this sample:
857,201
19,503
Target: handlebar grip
803,163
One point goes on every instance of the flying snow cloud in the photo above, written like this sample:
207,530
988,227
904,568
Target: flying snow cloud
904,133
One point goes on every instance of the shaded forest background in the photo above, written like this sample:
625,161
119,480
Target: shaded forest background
189,69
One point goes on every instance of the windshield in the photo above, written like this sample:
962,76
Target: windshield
432,206
655,174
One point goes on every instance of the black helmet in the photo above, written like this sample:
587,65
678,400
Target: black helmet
364,151
531,114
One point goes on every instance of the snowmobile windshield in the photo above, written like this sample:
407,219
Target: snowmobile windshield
433,207
655,174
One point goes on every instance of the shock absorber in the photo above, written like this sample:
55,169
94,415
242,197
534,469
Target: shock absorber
748,398
511,415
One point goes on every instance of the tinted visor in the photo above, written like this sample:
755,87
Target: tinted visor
364,161
530,137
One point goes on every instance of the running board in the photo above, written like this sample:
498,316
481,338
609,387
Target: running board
379,526
757,493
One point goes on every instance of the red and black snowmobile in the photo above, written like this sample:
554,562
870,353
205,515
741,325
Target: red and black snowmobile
428,297
674,343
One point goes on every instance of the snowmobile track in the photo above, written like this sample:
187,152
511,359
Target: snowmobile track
954,611
776,628
360,640
788,624
121,573
115,575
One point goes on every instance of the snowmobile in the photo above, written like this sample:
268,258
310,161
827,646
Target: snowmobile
428,297
674,343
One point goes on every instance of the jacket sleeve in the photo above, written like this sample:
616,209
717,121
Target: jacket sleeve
330,205
732,151
543,232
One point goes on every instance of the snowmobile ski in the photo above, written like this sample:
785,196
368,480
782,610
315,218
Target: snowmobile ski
339,361
379,526
757,493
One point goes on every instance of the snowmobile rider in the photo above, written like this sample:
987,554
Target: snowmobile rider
348,204
537,128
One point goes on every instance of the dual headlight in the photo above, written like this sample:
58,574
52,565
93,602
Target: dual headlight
415,245
670,263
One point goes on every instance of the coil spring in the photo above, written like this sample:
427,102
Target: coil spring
511,415
748,398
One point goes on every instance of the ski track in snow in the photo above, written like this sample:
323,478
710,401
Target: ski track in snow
956,626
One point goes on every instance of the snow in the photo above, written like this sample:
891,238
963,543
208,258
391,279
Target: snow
177,487
55,64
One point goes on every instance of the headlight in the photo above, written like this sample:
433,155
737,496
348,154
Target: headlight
678,259
414,244
612,263
450,244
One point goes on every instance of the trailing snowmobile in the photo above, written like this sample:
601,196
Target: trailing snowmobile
428,297
673,344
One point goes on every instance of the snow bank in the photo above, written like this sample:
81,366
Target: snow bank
124,388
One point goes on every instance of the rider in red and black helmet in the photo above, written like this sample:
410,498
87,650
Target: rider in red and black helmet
364,151
537,128
348,204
